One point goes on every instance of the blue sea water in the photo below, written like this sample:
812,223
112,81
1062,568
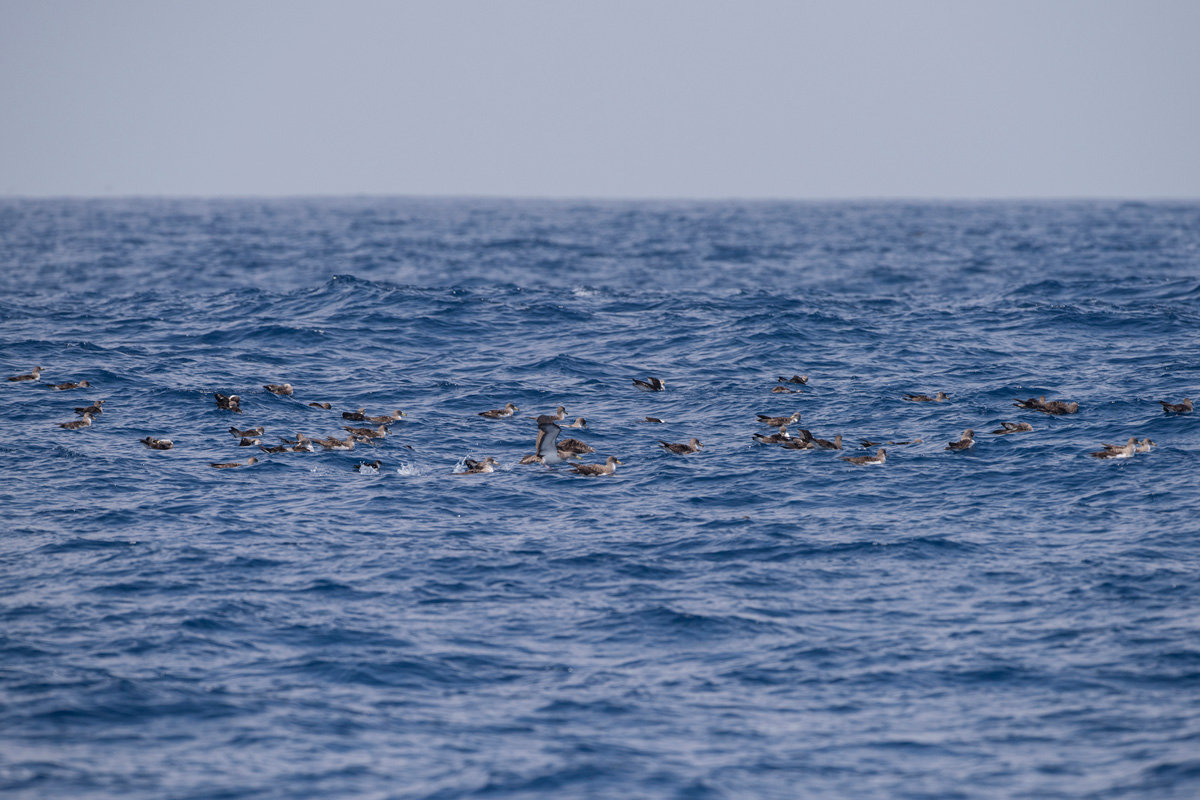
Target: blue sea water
1015,621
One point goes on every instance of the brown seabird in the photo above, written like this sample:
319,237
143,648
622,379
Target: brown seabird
650,384
785,390
157,444
83,422
386,419
281,389
500,413
560,413
1013,427
334,443
377,433
793,379
232,464
1056,407
1168,408
325,406
693,446
248,442
775,422
251,432
230,402
940,397
965,443
546,449
478,467
60,387
94,409
879,457
1145,445
355,416
774,438
34,375
575,446
579,422
607,468
836,444
652,420
1110,451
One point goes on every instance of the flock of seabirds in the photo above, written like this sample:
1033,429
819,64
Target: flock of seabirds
551,450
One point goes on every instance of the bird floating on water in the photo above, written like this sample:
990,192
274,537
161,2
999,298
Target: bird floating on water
774,438
157,444
607,468
879,457
35,374
651,384
94,409
775,422
230,402
62,387
965,443
1013,427
500,413
693,446
281,389
793,379
940,397
325,406
83,422
1168,408
233,464
251,432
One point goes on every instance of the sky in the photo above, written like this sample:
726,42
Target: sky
615,99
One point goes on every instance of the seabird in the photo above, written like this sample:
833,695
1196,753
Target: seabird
546,450
325,406
372,467
355,416
157,444
775,422
251,432
387,419
796,443
774,438
334,443
693,446
836,444
607,468
229,402
560,413
650,385
879,457
785,390
478,467
575,446
793,379
1168,408
940,397
579,422
500,413
1013,427
83,422
1132,440
282,389
278,448
300,439
94,409
653,420
64,386
247,442
232,464
377,433
1116,452
965,443
34,375
1144,446
1059,407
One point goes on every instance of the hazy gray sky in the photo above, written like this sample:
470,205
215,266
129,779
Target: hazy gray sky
867,98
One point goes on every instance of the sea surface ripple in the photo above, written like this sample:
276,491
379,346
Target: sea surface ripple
1015,621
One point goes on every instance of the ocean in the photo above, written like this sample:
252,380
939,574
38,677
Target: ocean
1013,620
